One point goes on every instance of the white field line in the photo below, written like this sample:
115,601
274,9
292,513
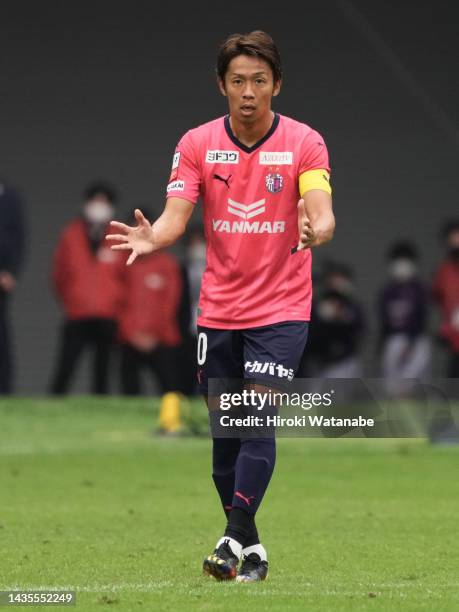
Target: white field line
149,587
93,588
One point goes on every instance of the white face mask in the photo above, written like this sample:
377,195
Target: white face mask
98,212
402,269
327,310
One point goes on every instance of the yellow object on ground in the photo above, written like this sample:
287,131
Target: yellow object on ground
170,417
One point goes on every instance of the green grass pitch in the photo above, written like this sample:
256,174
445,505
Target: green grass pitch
92,500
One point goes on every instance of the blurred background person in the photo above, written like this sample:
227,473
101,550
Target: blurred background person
12,240
148,322
405,349
192,271
87,277
446,294
337,327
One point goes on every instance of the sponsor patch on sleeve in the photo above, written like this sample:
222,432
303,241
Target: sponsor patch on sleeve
176,186
175,165
176,160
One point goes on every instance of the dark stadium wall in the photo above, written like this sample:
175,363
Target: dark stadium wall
105,89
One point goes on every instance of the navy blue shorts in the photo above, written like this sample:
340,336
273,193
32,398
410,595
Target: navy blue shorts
271,353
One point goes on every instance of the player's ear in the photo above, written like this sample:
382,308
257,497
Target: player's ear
277,87
221,86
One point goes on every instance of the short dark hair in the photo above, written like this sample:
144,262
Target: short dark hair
404,249
100,188
255,44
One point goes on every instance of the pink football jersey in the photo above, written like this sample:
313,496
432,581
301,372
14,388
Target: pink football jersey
253,276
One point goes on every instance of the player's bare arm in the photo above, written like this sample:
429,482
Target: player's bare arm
316,221
145,237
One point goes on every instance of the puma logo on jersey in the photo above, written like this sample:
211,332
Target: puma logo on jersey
224,180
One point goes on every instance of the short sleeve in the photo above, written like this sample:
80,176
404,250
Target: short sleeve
185,178
313,153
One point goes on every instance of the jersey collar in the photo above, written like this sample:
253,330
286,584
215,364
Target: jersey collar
244,147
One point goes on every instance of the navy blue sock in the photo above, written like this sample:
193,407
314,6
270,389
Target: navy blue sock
252,537
254,468
239,525
224,456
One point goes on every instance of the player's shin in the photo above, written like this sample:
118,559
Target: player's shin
224,456
254,468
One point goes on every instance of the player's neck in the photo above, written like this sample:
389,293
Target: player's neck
250,133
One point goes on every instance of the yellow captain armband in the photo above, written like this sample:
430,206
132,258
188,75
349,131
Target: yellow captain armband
314,179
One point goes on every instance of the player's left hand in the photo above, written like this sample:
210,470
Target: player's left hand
305,231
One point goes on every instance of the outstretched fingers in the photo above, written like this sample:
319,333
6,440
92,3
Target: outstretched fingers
132,258
140,218
120,237
121,226
121,247
125,247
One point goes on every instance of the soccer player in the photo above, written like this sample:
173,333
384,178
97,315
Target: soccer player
264,183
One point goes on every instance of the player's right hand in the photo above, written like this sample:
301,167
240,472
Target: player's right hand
305,230
137,239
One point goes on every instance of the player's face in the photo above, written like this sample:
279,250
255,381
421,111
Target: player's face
249,87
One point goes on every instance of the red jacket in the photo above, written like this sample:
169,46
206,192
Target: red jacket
446,292
152,292
88,284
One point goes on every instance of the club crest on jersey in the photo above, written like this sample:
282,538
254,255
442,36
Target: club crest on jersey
274,182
